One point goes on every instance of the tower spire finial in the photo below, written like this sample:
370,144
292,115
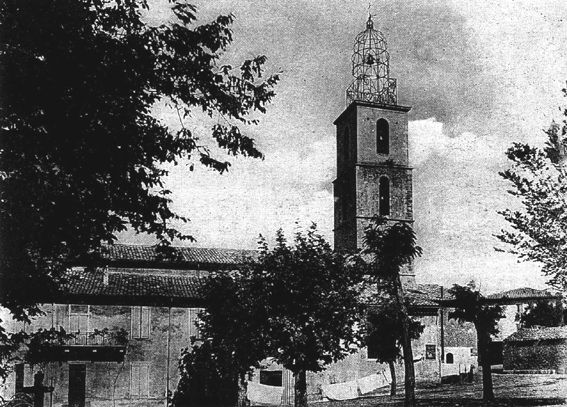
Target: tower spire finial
371,68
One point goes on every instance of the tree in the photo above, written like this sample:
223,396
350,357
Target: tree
312,301
390,247
470,306
543,313
538,178
233,330
385,334
81,156
205,378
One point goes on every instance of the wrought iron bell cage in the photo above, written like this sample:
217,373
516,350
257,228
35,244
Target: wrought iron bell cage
371,69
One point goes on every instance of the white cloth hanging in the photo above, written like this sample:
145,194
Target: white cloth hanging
370,383
341,391
264,394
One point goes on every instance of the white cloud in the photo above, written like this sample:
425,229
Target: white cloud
427,138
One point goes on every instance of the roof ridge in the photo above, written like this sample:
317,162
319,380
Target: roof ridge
132,245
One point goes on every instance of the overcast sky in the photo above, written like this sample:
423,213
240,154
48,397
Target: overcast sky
478,74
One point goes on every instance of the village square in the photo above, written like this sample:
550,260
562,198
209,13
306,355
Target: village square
303,204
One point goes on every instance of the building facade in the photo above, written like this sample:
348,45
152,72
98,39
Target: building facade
129,323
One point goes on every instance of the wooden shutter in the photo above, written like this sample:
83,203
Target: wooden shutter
135,322
145,322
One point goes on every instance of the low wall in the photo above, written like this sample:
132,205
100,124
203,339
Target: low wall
548,354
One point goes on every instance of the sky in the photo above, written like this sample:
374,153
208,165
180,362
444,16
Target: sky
479,76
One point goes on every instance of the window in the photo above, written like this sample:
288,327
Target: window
382,137
449,358
193,329
271,377
140,324
372,350
79,323
139,380
384,197
19,370
430,351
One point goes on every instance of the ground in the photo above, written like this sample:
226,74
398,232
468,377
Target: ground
509,389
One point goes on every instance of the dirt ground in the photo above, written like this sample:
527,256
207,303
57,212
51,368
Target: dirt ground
509,389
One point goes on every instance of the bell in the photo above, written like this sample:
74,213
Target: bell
370,60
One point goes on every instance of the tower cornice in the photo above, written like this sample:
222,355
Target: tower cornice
355,103
382,165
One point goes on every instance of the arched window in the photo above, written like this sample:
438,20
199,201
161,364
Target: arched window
382,137
449,358
384,199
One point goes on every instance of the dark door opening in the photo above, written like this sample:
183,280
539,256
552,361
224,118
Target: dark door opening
77,378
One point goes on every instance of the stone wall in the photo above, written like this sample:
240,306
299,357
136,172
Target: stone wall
550,354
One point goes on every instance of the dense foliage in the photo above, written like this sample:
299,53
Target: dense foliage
298,304
544,313
205,378
471,306
312,300
391,247
81,156
233,341
384,327
538,178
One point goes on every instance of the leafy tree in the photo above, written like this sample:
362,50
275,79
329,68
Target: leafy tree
205,379
313,304
81,156
390,248
233,328
543,313
385,334
538,177
471,306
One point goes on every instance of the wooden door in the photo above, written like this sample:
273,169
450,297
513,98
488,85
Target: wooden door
77,378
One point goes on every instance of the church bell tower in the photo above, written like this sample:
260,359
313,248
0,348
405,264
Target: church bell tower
373,173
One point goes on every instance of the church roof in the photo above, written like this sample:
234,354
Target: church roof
199,257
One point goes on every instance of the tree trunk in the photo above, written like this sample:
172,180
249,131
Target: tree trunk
242,400
393,376
483,342
409,384
300,399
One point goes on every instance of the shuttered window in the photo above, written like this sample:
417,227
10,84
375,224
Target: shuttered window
79,323
141,322
139,380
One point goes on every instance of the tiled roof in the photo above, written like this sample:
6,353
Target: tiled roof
524,293
538,334
132,288
197,256
426,295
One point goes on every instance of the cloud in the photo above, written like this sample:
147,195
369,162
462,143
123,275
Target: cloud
428,139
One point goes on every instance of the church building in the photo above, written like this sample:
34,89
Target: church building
131,319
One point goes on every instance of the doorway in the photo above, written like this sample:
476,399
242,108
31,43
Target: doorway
77,379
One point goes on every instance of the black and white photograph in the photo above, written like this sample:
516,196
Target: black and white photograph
300,203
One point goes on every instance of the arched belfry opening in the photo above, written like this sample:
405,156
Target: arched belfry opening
382,137
384,196
371,69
